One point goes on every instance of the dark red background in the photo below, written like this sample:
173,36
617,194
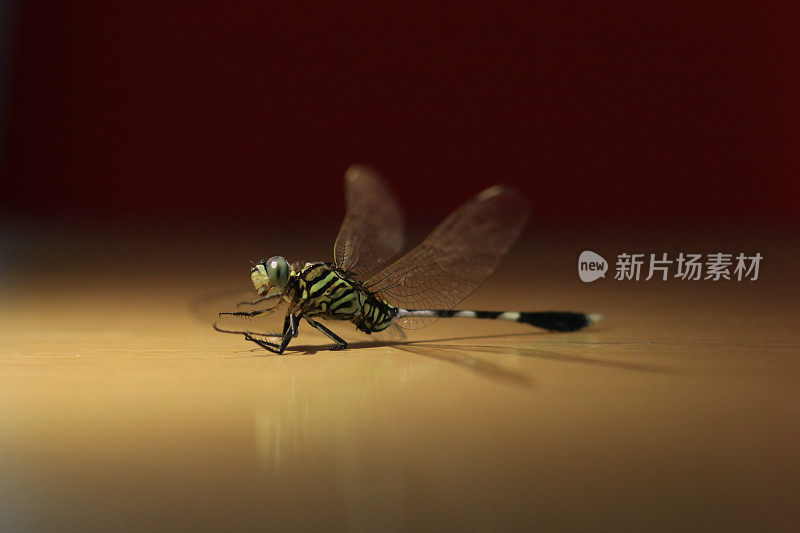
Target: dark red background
600,111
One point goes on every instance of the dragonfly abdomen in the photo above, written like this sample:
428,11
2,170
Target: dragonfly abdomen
549,320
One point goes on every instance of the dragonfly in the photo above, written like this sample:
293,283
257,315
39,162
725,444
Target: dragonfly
367,286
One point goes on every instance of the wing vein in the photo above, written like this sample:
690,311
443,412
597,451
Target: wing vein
456,257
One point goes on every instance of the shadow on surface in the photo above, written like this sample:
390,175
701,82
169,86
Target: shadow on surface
567,358
473,364
502,350
457,354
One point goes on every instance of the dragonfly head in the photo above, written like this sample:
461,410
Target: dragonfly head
269,273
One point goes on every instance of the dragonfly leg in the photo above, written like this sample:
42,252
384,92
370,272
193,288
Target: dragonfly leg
290,323
255,312
250,313
341,344
289,331
261,299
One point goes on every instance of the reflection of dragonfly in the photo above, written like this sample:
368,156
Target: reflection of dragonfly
413,291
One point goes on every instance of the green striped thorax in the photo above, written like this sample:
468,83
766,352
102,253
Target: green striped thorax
270,273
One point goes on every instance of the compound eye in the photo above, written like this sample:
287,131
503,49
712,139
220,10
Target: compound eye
277,270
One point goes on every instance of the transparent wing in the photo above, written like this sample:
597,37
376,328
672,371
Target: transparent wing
372,231
456,257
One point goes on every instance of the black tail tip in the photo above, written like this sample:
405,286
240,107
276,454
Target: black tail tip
559,320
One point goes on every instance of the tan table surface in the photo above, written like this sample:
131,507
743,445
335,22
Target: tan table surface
120,409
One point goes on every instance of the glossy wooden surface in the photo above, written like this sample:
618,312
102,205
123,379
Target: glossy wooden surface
120,409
